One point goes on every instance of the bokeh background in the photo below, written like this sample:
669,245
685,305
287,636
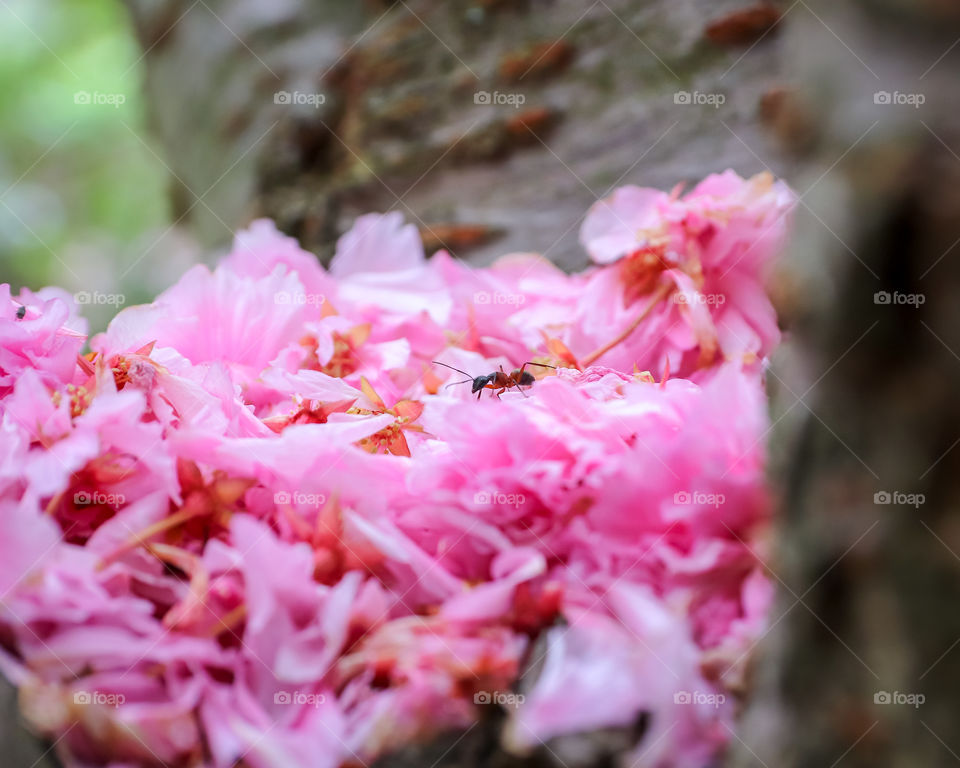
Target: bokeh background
854,104
81,190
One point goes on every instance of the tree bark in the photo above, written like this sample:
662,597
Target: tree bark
400,126
865,402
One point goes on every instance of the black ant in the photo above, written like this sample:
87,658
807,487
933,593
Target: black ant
499,381
21,311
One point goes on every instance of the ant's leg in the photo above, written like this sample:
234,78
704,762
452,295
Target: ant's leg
520,389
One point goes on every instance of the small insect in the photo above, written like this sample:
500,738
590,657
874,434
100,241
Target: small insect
22,312
498,381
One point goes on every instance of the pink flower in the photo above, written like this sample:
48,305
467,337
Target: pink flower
630,219
635,669
690,268
40,332
258,251
87,467
214,317
380,263
264,522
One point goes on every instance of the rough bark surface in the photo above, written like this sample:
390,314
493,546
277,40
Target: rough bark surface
866,404
400,126
863,394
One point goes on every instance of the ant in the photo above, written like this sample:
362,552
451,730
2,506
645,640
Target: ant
498,380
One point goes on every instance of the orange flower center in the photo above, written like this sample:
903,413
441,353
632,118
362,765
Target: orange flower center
641,270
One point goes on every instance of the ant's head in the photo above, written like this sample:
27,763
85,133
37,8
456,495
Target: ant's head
481,381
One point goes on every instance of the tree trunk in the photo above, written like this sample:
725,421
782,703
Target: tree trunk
492,125
866,442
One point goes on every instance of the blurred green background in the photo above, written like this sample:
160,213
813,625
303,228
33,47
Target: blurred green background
82,196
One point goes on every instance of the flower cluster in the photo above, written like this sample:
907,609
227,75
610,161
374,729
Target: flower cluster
253,522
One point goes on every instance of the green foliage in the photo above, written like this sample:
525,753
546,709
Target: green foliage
78,185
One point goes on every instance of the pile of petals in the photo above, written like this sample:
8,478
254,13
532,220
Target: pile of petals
252,522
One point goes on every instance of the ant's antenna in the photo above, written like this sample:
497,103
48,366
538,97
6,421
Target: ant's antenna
453,369
470,378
